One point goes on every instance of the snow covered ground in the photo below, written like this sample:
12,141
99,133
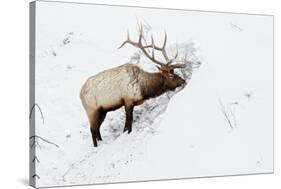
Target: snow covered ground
221,123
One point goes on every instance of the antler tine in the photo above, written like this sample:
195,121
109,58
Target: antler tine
173,59
153,46
176,56
165,41
127,41
163,50
141,33
174,66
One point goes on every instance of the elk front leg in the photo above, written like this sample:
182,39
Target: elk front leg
129,118
95,117
101,119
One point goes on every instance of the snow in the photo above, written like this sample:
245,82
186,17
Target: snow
181,134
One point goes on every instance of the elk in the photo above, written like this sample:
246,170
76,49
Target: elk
128,85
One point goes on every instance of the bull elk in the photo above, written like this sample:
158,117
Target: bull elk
128,85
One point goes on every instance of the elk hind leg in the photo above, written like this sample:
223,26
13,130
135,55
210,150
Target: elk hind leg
94,124
101,119
94,137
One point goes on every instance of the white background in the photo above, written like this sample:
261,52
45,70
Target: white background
15,93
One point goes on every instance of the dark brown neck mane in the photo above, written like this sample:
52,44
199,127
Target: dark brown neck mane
152,84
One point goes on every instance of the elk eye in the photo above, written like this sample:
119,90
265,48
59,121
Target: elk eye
171,76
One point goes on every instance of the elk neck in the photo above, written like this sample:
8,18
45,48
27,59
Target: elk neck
152,84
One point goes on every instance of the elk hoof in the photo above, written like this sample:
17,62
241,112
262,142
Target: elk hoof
99,137
125,129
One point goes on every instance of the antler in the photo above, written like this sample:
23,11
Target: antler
140,46
164,66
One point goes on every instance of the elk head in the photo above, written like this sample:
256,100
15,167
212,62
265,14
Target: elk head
166,68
